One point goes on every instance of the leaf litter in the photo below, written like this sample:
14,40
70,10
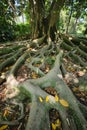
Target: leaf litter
8,111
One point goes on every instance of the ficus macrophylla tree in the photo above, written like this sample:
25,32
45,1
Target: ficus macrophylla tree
46,82
44,17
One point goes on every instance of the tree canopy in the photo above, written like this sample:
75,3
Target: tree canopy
68,16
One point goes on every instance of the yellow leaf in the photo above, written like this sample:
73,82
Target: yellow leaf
53,126
3,75
3,127
64,103
5,113
75,89
56,98
42,60
47,98
40,98
58,123
28,60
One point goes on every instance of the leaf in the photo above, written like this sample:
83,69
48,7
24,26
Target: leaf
53,126
28,60
47,68
58,123
3,75
56,98
47,98
80,73
5,113
63,103
75,89
34,75
3,127
40,98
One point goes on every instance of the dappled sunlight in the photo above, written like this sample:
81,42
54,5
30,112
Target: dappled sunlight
11,86
60,76
43,65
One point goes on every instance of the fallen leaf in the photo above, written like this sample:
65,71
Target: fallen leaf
79,94
3,75
53,126
34,75
47,98
58,123
40,98
82,99
80,73
56,98
75,89
63,103
5,113
28,60
47,68
3,127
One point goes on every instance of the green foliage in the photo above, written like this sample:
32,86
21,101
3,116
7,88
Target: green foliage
22,30
73,16
6,31
50,60
6,22
76,24
27,12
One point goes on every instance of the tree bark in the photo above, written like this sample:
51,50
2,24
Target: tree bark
44,24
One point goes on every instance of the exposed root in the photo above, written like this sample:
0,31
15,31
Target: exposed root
44,91
64,93
11,60
15,121
77,59
38,117
19,62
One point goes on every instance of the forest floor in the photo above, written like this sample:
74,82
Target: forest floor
13,115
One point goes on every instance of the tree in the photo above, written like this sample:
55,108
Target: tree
49,90
44,18
6,21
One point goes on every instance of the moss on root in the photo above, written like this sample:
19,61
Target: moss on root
77,121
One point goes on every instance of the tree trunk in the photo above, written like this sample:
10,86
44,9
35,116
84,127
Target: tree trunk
42,23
